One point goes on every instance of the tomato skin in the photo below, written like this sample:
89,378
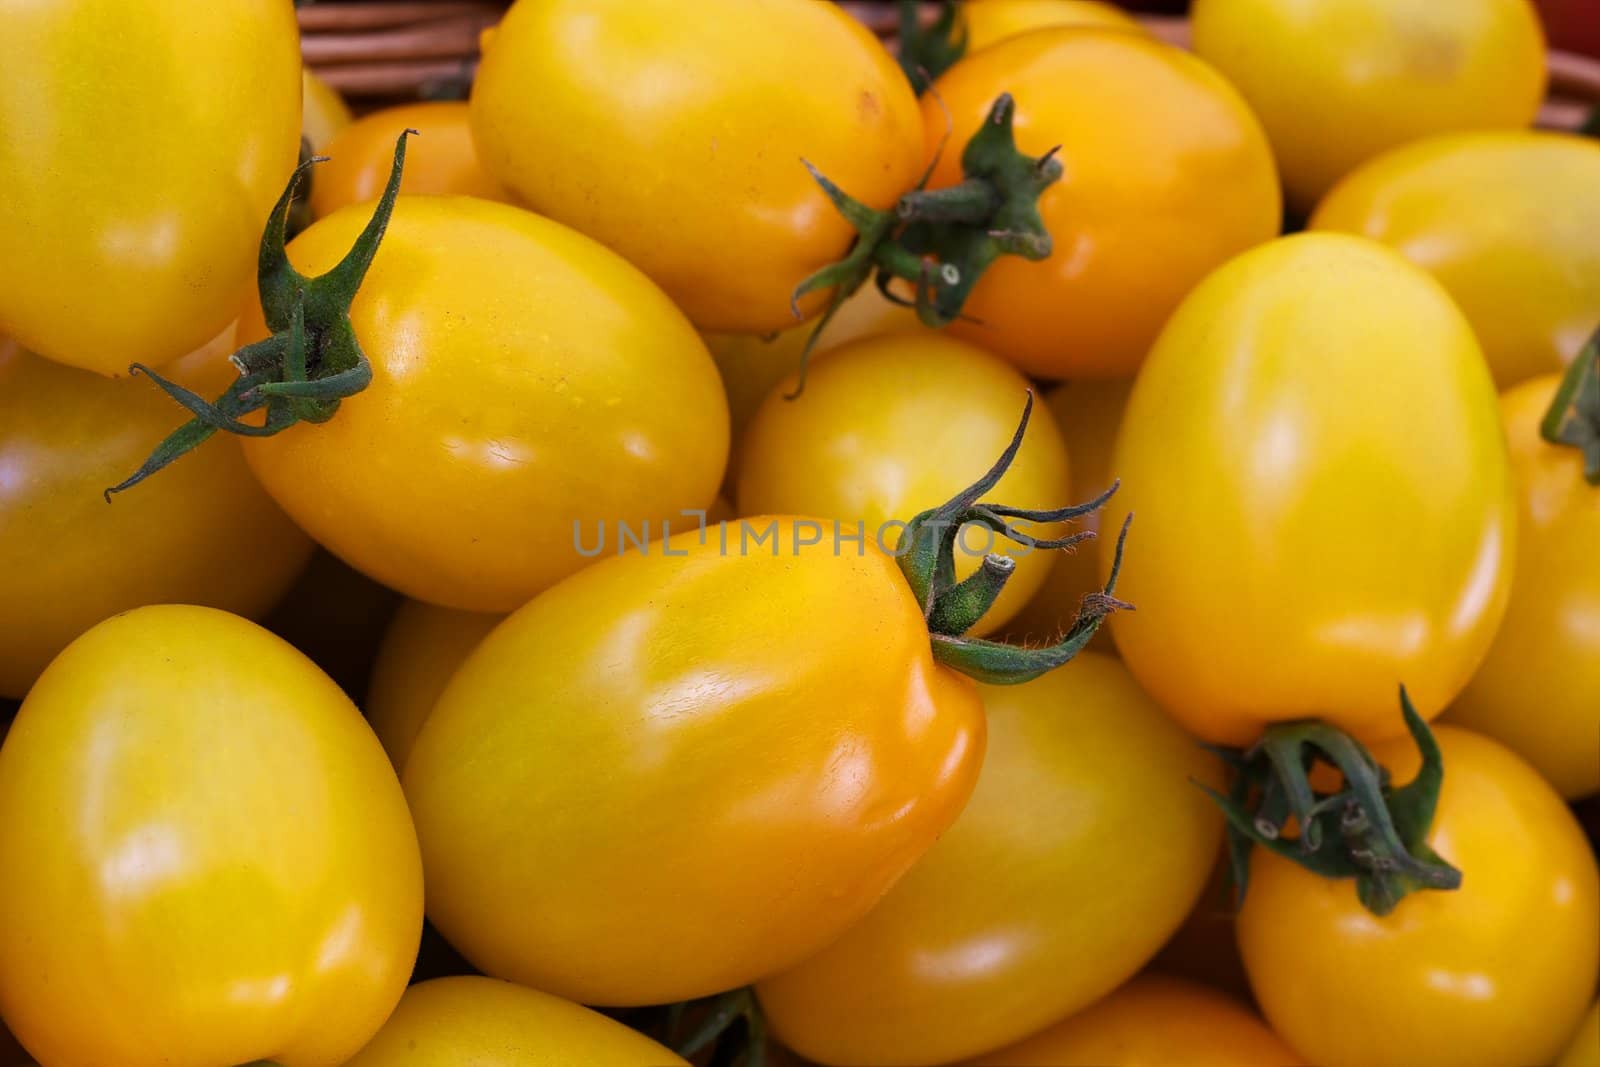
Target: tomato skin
72,559
1584,1051
217,864
421,650
1500,218
1088,414
589,772
1339,82
524,378
324,112
1003,927
1496,972
753,365
440,160
1150,1022
199,103
990,21
1538,690
1310,532
1167,175
893,425
489,1023
692,133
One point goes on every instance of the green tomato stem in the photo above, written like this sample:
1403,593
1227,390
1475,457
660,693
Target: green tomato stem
940,241
310,364
927,555
1573,419
928,50
1366,830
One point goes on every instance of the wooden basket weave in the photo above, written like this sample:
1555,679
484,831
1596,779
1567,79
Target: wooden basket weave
377,51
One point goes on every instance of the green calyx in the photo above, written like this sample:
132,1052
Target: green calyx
941,240
1367,829
927,555
927,50
311,362
1574,416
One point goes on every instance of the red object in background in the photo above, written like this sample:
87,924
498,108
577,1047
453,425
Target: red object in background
1572,24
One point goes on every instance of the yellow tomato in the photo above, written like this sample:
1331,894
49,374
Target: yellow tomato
441,159
678,141
1167,174
1340,81
324,112
1082,849
1538,690
1088,414
207,859
752,365
144,143
989,21
525,379
670,775
483,1022
890,426
1584,1051
1324,500
1503,220
421,650
1496,972
205,534
1154,1021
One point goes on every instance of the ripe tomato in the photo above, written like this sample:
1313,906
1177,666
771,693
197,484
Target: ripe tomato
1584,1050
891,425
1498,971
206,535
1538,690
524,379
989,21
677,141
1167,175
449,1022
207,858
752,365
441,159
145,141
1502,219
1340,81
1082,849
1150,1022
668,776
1088,414
1325,507
324,112
421,650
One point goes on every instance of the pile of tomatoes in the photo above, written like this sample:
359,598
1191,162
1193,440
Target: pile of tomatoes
698,552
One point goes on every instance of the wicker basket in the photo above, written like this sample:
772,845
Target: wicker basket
377,51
